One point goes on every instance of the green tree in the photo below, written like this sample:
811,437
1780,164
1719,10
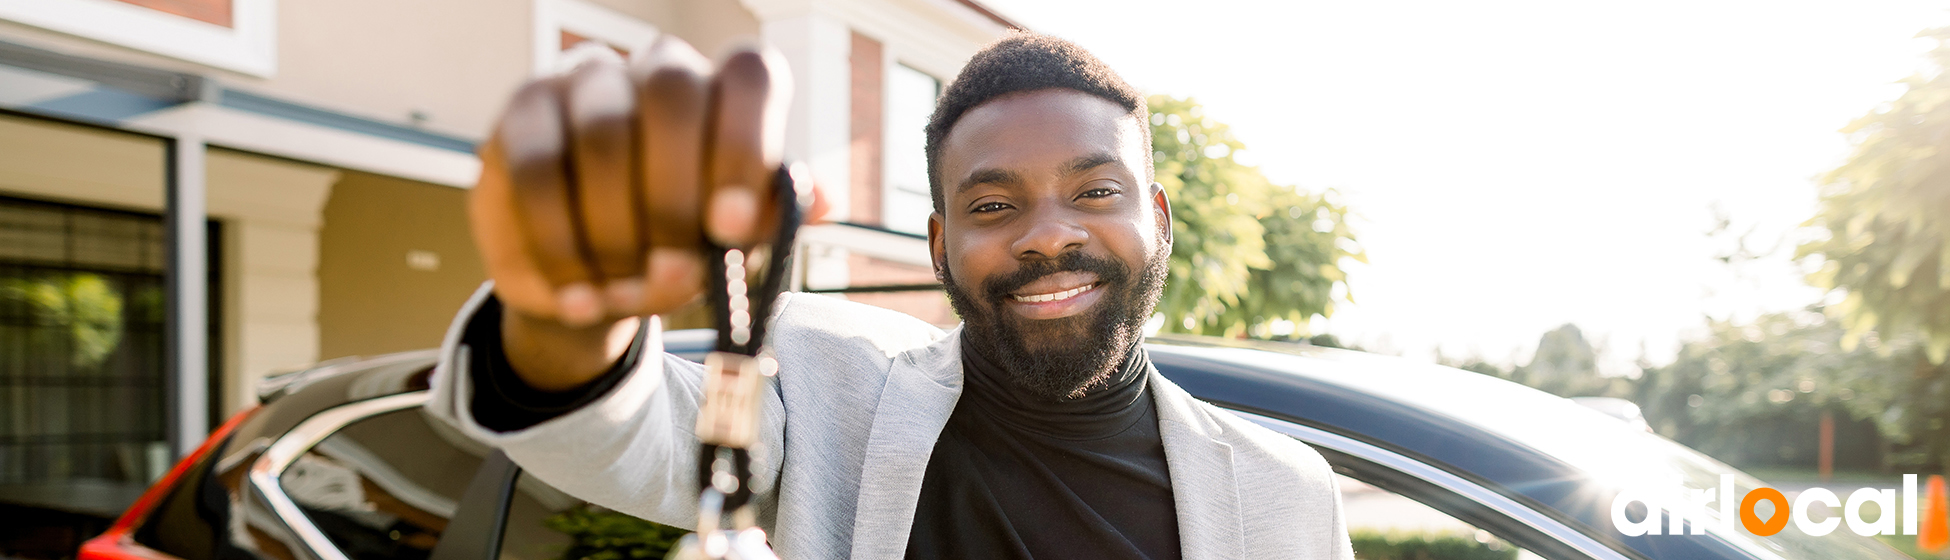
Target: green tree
1883,219
1751,393
1565,364
1246,252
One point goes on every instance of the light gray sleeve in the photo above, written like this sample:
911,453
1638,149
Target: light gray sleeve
631,450
1343,547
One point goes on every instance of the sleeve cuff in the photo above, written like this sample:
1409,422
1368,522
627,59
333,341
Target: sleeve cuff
502,402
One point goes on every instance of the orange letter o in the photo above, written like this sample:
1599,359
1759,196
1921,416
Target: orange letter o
1752,522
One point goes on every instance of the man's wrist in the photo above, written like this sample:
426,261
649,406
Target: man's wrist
548,356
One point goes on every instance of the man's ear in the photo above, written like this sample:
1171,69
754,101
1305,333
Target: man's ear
1162,206
937,252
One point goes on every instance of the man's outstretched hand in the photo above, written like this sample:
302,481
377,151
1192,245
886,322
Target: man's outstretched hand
599,186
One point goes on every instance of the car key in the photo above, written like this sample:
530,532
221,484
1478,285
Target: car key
734,374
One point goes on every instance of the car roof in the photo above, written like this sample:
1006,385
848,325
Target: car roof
1534,446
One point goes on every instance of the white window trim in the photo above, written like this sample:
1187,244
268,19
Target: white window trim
580,17
249,46
890,64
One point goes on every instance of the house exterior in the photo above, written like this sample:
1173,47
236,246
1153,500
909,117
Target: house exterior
195,194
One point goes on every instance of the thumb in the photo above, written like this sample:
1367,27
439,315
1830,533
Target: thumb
816,214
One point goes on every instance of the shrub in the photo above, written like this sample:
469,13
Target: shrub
1374,545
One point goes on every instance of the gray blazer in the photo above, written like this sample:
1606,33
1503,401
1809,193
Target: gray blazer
862,394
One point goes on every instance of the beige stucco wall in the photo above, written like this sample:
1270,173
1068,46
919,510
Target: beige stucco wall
453,60
371,301
270,210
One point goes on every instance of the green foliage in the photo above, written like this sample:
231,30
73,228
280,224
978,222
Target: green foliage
1883,216
1565,365
601,534
87,305
1246,252
1372,545
1746,390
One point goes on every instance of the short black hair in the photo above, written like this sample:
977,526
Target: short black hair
1022,61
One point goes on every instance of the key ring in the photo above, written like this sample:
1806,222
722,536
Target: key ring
728,417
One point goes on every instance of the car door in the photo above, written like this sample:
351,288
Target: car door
376,479
1393,503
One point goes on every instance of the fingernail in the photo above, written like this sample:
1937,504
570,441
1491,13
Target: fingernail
732,214
579,304
625,295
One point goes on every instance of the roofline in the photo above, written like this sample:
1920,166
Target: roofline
999,19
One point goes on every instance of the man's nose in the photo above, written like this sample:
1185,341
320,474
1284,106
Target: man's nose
1048,236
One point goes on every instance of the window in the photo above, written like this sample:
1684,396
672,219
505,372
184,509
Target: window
905,200
561,24
383,488
238,35
1384,524
81,349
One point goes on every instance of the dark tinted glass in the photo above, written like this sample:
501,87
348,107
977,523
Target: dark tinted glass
384,487
81,342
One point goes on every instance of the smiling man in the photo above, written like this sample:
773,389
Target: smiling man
1037,429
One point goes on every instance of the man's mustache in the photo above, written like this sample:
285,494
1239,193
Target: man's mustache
1109,271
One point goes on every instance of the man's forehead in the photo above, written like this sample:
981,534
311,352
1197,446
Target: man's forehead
1048,126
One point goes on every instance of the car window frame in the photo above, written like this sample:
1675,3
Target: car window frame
264,473
1442,490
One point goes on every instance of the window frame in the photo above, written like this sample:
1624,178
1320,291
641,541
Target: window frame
249,45
264,473
596,23
889,190
1446,492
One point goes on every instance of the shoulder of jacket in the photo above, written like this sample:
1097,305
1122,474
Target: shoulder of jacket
818,319
1262,443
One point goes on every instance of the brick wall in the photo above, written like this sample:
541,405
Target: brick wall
208,11
931,305
866,145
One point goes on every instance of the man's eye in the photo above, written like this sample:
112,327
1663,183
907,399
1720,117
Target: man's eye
1099,192
991,207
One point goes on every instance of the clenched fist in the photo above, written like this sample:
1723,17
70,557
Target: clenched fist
600,185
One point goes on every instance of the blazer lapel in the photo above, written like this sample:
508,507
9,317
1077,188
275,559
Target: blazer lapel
914,405
1203,486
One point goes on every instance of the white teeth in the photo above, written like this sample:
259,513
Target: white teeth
1059,296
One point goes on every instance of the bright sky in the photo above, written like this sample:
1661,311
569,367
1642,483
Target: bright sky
1520,165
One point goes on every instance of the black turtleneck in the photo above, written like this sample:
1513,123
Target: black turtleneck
1014,476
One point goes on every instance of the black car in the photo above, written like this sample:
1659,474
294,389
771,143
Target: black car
341,463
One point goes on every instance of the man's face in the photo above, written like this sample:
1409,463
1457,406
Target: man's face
1051,240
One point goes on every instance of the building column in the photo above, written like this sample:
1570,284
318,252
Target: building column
272,211
819,127
187,326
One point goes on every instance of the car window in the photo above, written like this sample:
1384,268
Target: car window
1385,525
546,524
383,488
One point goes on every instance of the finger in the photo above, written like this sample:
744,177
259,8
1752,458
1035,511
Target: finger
600,107
673,100
816,212
532,139
518,281
747,136
675,277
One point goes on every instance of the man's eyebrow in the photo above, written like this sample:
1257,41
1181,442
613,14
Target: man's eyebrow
1088,162
995,176
989,176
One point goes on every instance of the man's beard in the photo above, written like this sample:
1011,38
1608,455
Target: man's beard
1058,359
